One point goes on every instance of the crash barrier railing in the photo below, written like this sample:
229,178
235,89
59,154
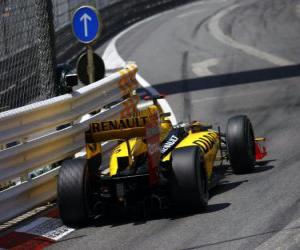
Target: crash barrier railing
47,132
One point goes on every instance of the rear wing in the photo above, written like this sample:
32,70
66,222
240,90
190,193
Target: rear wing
146,125
124,129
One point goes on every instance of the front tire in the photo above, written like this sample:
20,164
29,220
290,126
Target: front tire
189,181
74,192
240,144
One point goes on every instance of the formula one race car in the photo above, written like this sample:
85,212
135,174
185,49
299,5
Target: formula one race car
154,163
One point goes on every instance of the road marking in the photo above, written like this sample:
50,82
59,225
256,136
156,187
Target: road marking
113,60
202,68
284,239
193,12
216,31
298,10
111,55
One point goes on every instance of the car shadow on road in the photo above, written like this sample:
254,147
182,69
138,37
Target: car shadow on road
262,169
231,79
260,166
169,214
119,219
225,186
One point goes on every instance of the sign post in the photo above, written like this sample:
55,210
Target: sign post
87,28
90,67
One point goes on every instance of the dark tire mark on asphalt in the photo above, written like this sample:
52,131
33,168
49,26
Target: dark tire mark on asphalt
187,105
204,21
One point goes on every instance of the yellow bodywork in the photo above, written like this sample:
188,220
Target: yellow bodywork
137,146
131,132
208,141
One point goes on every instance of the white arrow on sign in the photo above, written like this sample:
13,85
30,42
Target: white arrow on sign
85,18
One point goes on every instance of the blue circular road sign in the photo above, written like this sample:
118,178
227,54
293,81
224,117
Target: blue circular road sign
86,24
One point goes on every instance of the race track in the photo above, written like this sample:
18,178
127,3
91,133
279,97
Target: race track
215,59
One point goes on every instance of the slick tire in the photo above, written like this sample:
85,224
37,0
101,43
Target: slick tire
189,186
240,144
74,192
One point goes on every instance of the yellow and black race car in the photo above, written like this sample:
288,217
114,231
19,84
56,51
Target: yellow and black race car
154,164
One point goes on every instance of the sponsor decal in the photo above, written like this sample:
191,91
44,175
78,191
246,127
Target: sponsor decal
169,144
97,127
50,228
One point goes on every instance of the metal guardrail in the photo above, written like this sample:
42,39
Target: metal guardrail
40,143
29,194
20,123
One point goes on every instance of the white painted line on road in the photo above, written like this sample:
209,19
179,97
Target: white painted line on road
284,239
216,31
111,55
202,68
113,60
190,13
298,10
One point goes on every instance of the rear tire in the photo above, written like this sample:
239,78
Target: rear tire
240,144
189,181
74,192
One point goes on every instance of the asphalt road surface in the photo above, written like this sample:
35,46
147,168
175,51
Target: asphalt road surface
215,59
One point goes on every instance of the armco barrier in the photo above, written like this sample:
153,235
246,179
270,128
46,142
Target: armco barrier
40,144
